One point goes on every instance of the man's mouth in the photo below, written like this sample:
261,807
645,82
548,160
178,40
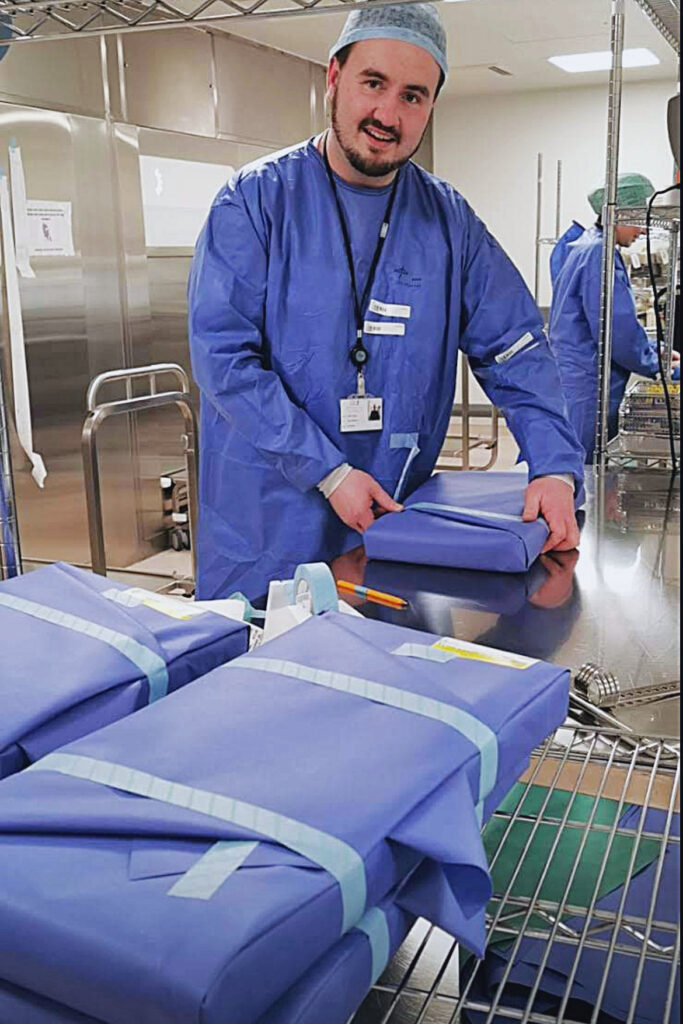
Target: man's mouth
378,135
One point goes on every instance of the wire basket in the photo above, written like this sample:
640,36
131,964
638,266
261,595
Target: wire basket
583,925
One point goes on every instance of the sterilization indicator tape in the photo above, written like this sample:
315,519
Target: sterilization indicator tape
207,875
475,513
463,722
151,664
329,852
374,924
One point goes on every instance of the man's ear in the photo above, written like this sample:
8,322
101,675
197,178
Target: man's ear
333,72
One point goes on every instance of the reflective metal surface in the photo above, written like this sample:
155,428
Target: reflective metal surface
153,399
614,602
117,302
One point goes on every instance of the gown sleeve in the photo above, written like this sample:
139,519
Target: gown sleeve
502,334
226,299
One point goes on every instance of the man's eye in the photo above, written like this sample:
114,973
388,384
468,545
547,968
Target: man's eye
412,97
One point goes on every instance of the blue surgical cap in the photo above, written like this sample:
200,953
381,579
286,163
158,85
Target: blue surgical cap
419,24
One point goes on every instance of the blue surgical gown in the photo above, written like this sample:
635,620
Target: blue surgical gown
271,327
561,249
574,325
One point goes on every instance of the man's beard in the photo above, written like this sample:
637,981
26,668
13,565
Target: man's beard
368,167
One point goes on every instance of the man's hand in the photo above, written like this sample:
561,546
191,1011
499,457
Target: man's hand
554,500
354,498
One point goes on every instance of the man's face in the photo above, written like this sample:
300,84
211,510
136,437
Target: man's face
626,236
381,102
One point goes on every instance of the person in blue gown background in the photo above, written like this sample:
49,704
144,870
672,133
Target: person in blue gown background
575,316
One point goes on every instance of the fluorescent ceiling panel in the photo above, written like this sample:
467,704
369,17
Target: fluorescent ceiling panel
601,60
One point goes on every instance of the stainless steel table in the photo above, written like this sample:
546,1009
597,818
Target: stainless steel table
614,602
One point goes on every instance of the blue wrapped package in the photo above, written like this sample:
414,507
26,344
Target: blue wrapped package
463,520
79,651
329,991
205,852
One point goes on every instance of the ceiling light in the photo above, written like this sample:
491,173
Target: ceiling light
602,60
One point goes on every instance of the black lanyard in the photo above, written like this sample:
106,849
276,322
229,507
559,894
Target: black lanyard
359,354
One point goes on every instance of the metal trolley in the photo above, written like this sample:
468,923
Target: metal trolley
429,981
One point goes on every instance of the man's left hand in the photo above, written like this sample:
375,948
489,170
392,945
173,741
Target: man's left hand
554,500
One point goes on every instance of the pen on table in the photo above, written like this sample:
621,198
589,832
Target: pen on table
372,595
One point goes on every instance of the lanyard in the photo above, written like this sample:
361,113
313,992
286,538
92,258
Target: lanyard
359,354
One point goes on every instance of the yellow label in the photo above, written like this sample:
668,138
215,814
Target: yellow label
477,652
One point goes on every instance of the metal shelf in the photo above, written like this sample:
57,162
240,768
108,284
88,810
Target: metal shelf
45,19
665,218
428,981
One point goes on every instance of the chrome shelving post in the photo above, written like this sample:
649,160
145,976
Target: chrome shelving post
609,211
10,550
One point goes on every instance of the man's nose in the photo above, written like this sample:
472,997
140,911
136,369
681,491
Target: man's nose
386,110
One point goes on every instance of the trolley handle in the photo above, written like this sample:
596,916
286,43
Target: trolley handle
137,373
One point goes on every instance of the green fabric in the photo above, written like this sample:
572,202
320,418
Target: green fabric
632,190
563,860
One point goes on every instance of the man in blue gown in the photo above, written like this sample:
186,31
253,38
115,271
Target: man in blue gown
332,288
575,318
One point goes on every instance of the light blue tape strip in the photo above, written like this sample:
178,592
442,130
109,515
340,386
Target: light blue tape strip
476,513
318,578
374,924
205,877
405,700
425,652
126,598
148,661
250,613
331,853
404,441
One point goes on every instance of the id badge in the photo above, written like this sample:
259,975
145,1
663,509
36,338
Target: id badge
360,412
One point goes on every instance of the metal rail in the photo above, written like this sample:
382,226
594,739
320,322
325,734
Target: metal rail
540,240
609,210
154,399
665,15
10,549
45,19
457,456
429,982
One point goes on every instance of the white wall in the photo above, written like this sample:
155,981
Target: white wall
487,146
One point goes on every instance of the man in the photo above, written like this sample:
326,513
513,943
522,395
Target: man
337,279
575,318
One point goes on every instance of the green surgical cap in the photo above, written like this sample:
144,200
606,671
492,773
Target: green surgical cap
419,24
632,190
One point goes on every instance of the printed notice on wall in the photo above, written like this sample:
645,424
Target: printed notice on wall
49,228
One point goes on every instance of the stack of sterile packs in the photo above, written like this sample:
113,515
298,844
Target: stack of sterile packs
252,849
78,651
464,520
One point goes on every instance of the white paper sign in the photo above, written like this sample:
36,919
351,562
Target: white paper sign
49,228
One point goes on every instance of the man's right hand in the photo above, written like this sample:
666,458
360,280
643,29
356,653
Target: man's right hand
353,500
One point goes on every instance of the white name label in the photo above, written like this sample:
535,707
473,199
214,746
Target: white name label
503,357
375,327
389,309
